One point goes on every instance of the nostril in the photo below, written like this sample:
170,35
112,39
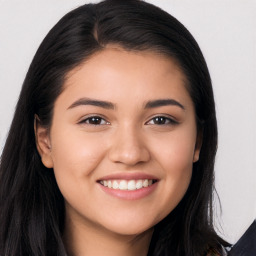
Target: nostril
129,156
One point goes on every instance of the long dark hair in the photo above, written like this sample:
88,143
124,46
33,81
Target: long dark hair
32,208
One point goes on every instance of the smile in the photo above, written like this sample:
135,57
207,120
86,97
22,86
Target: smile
127,184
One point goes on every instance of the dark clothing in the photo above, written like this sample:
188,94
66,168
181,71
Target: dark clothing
246,245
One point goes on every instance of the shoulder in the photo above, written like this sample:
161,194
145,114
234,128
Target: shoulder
247,243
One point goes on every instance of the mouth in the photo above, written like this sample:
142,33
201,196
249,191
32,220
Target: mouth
128,185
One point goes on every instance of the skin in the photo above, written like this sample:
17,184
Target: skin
127,139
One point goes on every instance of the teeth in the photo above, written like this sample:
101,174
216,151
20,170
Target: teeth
115,185
145,183
139,184
131,185
126,184
123,185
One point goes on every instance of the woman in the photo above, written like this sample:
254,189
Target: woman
112,145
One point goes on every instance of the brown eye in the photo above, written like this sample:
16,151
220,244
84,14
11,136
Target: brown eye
161,120
95,120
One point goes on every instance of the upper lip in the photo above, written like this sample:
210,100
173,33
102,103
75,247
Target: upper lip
128,176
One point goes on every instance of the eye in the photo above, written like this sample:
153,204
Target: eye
161,120
94,120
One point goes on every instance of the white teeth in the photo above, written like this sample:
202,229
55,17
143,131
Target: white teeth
115,184
145,183
126,184
131,185
139,184
123,185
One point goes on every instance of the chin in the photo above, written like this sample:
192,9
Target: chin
131,231
129,227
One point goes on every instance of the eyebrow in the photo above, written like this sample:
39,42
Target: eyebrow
92,102
109,105
163,102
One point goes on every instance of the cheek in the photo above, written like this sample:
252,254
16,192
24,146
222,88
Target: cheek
75,154
177,161
176,152
175,156
75,158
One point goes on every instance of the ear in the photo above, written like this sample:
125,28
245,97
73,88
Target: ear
43,143
199,142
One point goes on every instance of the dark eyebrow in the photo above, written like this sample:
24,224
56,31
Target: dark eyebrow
163,102
92,102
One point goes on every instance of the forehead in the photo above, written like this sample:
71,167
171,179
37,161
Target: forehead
115,72
121,58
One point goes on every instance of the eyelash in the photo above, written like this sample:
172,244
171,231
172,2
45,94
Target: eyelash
94,119
163,120
97,120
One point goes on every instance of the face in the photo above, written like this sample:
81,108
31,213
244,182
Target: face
123,140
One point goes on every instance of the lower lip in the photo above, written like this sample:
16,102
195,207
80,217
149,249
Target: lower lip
130,194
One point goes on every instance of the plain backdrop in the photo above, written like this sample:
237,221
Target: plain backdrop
226,33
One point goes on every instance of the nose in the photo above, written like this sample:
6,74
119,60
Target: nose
128,147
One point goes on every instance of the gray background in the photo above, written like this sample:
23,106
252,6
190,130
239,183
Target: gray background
225,31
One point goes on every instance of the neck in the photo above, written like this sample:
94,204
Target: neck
89,240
